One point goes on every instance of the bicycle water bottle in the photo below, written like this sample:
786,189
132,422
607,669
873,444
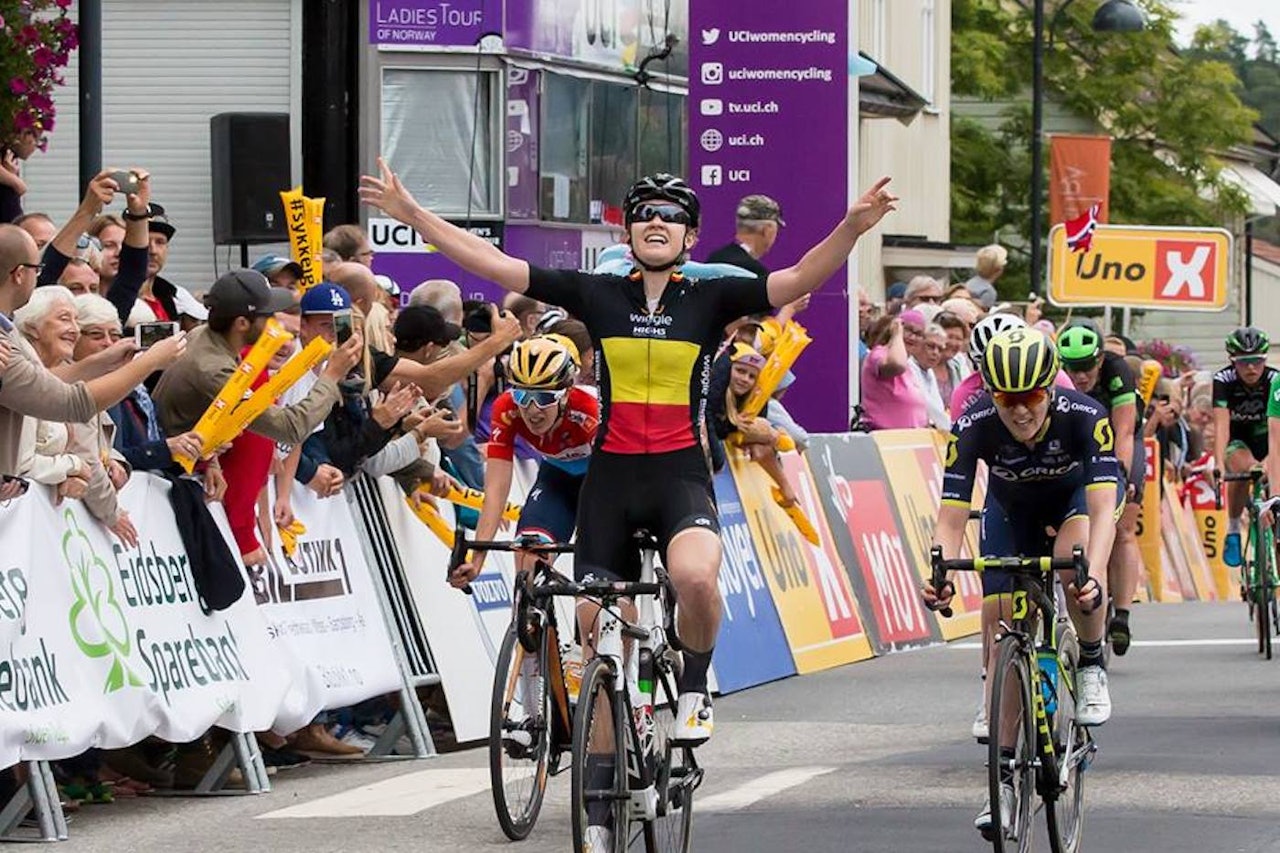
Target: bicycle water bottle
1048,659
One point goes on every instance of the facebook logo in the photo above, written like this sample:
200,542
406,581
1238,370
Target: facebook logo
712,175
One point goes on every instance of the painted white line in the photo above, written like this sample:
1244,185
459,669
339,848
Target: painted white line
1150,643
757,789
401,796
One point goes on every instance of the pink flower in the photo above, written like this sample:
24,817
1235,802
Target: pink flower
18,86
43,57
64,4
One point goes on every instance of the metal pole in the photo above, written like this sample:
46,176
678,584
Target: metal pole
1248,273
90,52
1037,130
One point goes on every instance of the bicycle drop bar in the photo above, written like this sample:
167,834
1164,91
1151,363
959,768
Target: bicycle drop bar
1252,475
1038,566
458,555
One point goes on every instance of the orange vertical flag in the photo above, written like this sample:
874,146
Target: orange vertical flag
1079,176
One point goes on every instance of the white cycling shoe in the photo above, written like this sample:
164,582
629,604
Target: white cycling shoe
599,840
1094,707
983,822
694,720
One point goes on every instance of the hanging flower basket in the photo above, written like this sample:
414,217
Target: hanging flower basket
36,40
1174,360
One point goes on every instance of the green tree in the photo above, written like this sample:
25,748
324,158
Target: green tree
1169,114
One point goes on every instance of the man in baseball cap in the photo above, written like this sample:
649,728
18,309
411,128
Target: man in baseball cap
757,221
240,303
279,270
420,325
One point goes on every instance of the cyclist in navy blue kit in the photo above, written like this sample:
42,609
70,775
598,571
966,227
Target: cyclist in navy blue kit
1051,457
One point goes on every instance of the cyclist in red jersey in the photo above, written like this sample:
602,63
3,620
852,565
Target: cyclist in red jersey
559,420
656,332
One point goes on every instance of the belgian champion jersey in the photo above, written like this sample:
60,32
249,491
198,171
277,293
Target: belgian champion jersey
653,367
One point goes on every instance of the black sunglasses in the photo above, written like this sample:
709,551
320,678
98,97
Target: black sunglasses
670,213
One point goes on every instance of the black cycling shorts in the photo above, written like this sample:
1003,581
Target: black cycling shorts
663,493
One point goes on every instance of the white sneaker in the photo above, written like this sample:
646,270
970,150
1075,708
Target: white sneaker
694,720
982,822
1094,706
599,840
980,729
353,736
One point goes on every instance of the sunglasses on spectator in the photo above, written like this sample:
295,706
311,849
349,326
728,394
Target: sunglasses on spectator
85,241
1030,399
935,299
526,397
670,213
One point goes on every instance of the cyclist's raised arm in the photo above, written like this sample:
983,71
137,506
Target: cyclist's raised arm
474,254
822,261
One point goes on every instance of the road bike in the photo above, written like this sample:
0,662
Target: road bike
626,715
1258,579
531,710
1036,745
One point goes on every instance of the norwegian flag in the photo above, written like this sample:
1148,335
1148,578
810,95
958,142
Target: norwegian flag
1080,230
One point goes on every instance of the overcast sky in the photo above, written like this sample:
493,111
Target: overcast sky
1240,13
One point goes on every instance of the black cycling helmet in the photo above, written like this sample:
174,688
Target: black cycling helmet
662,187
1248,340
1080,344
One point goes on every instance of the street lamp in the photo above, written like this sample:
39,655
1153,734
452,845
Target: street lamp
1113,16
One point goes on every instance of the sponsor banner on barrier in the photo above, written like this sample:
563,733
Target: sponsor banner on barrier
814,600
751,647
1178,559
914,466
1189,538
106,645
1148,532
320,603
1211,525
851,484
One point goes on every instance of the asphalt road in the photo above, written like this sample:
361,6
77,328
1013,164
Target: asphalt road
870,757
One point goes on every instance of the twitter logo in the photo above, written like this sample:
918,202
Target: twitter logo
711,36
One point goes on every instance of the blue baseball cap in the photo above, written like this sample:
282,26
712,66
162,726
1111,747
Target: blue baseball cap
325,298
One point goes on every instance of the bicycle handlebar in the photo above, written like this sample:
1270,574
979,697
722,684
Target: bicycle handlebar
1253,475
458,555
600,589
1077,562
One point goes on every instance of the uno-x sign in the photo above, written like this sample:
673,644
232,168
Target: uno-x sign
1171,268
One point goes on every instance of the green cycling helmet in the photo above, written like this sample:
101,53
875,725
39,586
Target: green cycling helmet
1248,340
1080,344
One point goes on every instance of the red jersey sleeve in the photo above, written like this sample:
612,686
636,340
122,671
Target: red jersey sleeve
504,423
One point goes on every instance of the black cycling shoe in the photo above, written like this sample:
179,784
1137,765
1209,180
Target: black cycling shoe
1118,632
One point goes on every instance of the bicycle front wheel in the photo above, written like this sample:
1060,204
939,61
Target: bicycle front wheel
1266,593
1065,812
677,774
1011,751
519,736
600,797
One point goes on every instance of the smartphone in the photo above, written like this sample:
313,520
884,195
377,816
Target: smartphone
147,335
22,484
126,181
343,326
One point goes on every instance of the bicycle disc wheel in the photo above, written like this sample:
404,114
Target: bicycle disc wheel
1012,722
519,739
598,738
677,775
1065,813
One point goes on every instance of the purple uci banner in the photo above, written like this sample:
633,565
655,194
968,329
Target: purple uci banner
768,113
434,23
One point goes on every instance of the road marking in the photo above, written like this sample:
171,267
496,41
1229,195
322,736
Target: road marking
757,789
398,797
1152,643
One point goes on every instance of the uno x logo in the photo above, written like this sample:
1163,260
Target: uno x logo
1186,271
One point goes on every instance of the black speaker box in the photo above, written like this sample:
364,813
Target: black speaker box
250,166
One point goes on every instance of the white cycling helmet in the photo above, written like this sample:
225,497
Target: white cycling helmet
988,327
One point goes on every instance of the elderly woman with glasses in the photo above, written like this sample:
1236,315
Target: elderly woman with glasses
75,458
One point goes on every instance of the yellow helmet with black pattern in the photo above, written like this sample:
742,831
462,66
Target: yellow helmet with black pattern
1019,360
543,362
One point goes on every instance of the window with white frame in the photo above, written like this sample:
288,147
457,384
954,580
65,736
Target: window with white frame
438,134
879,24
